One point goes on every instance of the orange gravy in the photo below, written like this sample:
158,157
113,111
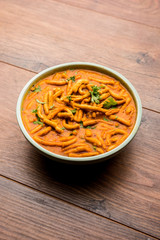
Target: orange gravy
79,113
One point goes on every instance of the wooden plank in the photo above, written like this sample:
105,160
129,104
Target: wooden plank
144,12
28,214
125,189
48,32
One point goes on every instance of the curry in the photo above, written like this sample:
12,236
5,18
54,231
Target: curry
79,113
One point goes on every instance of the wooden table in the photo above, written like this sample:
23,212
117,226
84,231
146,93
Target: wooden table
118,199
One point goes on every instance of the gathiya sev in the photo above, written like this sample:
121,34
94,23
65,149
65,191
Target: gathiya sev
79,113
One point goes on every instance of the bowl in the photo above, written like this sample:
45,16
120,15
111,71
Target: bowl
89,66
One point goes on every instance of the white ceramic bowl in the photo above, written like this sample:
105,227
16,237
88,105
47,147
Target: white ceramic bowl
80,65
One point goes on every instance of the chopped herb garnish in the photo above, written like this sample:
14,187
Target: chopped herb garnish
116,117
71,78
81,124
110,103
74,111
40,101
90,127
37,89
105,119
69,98
94,148
63,128
38,122
34,111
38,117
95,95
51,106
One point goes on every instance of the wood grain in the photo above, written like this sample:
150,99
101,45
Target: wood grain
27,214
105,201
125,189
48,32
144,12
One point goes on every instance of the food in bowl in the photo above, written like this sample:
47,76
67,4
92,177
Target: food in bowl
79,113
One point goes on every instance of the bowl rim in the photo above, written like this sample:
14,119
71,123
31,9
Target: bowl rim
72,65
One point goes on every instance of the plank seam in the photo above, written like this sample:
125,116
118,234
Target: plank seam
57,64
10,64
106,14
151,110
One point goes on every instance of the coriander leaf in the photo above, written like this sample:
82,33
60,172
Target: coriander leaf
116,117
38,89
69,98
95,95
51,106
38,122
109,103
74,111
63,128
90,127
71,78
94,148
96,88
34,111
40,101
105,119
81,124
38,117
